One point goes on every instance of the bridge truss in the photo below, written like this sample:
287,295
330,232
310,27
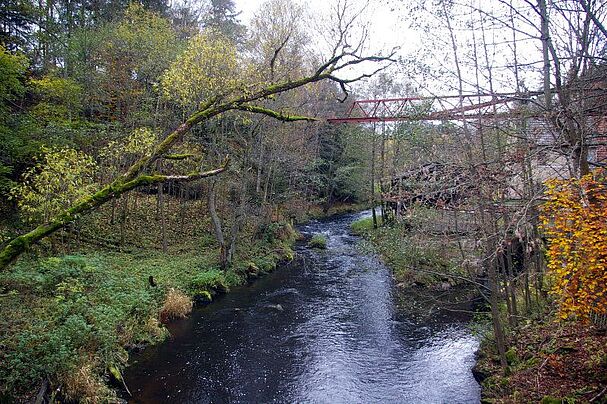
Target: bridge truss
443,108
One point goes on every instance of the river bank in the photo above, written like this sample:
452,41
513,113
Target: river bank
415,256
548,363
68,323
73,322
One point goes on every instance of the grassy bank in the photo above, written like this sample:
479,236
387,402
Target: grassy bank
68,322
414,256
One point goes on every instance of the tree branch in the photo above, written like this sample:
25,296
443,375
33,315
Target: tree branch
135,177
275,114
183,156
593,17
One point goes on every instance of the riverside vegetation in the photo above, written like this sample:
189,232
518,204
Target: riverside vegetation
547,361
156,153
71,320
415,257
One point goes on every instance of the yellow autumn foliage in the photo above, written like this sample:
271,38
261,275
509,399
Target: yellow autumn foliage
208,68
574,221
61,178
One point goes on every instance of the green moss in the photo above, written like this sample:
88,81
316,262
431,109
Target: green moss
252,268
182,156
275,114
205,296
288,254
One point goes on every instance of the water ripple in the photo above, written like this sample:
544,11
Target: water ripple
329,330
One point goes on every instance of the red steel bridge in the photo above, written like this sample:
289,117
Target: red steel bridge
443,108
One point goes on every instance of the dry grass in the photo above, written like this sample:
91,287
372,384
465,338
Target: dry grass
176,305
84,386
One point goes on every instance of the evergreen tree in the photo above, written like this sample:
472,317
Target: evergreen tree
224,18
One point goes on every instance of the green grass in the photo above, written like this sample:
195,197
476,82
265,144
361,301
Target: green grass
318,241
60,314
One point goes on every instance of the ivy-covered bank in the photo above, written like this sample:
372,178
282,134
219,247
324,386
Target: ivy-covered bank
68,323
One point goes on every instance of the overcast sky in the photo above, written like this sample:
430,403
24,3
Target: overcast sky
386,29
390,27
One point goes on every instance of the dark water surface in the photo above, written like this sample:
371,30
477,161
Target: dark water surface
328,328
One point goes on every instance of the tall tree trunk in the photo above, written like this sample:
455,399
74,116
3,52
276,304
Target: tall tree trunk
123,219
498,329
238,220
545,32
382,172
223,253
163,232
259,165
183,196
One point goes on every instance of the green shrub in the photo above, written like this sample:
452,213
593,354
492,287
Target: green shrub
266,263
75,308
233,278
209,281
278,231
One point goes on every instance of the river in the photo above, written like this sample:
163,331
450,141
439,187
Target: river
331,327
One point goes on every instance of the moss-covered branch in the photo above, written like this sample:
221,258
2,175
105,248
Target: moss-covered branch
19,245
183,156
275,114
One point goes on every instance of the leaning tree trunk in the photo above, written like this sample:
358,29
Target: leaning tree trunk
20,244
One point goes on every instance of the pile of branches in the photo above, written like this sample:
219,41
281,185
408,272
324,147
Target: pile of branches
432,184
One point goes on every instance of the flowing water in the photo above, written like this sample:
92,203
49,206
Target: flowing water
328,328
